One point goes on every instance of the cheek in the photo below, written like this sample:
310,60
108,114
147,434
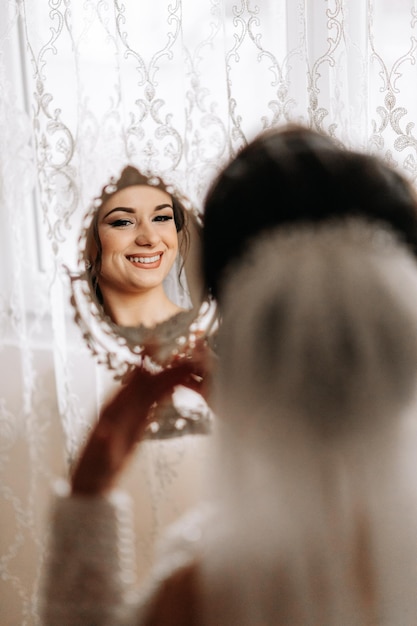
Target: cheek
111,241
173,239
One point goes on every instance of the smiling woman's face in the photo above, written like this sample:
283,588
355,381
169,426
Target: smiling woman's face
139,240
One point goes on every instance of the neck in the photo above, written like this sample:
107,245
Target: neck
147,308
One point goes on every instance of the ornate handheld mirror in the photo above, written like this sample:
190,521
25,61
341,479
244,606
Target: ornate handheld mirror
138,295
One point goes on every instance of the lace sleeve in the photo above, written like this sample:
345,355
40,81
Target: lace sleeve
90,565
90,572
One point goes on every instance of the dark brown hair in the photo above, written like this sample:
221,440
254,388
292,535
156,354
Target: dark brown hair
296,175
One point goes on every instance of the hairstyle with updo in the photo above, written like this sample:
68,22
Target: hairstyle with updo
293,175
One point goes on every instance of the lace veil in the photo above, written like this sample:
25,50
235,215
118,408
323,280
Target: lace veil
316,466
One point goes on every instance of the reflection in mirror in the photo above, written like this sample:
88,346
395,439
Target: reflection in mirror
138,294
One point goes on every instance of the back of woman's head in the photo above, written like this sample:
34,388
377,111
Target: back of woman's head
295,175
320,324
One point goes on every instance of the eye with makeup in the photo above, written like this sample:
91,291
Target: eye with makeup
163,218
120,222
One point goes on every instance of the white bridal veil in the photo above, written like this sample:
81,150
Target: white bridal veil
318,369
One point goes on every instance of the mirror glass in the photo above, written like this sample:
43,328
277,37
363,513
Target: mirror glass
138,292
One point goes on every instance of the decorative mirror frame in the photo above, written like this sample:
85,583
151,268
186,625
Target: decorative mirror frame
119,348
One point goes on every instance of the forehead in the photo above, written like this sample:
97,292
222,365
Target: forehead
137,197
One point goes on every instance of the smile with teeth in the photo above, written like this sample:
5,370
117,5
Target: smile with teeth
144,259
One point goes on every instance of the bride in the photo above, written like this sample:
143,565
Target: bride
132,245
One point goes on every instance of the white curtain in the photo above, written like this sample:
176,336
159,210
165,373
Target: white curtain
175,87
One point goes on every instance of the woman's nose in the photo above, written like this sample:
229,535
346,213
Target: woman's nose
146,235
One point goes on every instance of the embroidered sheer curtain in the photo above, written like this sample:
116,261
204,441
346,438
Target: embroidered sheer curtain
174,87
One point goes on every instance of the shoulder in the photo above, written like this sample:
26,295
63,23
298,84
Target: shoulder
174,592
177,599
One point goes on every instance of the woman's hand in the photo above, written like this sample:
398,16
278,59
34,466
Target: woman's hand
124,417
203,361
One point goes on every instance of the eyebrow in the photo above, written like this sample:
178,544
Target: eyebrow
159,207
